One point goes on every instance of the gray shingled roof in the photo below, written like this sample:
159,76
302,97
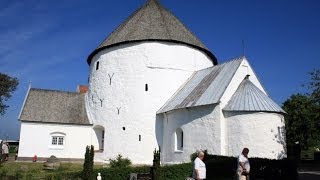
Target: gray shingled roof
204,87
152,22
248,97
51,106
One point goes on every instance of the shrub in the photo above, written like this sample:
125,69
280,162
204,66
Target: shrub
175,172
120,162
87,172
156,164
224,166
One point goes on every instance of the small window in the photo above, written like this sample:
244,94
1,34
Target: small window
97,65
124,128
139,137
57,140
179,139
146,87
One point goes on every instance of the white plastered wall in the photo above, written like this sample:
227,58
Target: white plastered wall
124,108
229,142
261,132
243,70
201,131
75,141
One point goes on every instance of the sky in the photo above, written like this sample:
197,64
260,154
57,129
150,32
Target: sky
46,43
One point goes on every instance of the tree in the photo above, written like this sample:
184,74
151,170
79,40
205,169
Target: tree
87,172
303,115
314,86
301,121
7,86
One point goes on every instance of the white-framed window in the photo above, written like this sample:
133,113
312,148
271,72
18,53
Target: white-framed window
57,140
179,140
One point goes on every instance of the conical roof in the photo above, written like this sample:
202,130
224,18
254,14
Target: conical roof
249,97
152,22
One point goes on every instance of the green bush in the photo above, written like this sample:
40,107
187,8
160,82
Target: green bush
120,162
224,166
87,172
175,172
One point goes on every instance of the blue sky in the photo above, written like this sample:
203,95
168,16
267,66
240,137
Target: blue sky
47,42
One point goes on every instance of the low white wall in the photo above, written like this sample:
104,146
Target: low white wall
261,132
35,139
201,131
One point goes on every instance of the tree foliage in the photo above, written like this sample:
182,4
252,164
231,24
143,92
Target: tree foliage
87,172
120,162
7,86
314,86
303,115
301,123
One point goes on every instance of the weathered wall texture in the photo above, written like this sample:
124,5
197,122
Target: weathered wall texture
262,133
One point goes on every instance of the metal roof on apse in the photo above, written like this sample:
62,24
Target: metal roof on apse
152,22
248,97
50,106
204,87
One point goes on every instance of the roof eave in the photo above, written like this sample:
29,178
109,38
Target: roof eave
255,111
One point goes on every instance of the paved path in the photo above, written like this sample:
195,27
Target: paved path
309,170
309,175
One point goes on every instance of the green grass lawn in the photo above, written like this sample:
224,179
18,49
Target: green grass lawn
29,170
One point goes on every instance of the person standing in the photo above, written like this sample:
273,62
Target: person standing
5,151
199,168
243,169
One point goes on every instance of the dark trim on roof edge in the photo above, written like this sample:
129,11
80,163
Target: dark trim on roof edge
27,121
96,51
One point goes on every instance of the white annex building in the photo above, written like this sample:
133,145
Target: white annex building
154,84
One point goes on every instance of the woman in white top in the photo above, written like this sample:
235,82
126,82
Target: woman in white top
199,168
243,169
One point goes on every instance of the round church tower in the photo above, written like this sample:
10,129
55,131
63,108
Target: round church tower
135,70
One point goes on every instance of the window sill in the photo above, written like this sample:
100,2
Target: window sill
56,147
178,151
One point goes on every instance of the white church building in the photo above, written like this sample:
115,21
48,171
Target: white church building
154,84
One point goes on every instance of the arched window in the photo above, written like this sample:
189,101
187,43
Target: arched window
179,139
57,140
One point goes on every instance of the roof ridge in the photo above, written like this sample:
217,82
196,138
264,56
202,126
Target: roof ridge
53,90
